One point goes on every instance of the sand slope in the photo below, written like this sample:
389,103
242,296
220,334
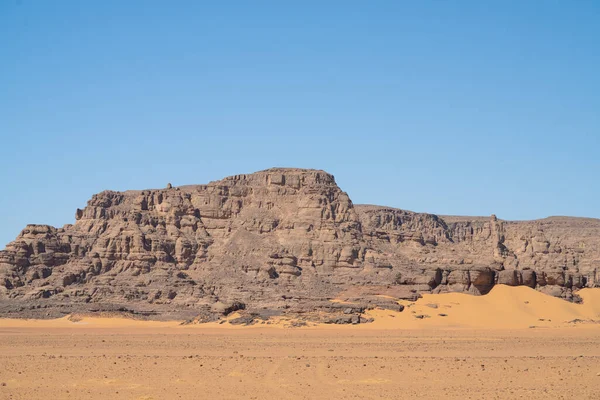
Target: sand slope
505,307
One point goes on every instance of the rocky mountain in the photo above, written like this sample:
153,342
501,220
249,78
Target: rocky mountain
280,241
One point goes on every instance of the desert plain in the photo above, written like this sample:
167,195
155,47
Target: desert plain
513,343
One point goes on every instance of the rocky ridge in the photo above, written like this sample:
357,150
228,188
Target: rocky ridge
280,241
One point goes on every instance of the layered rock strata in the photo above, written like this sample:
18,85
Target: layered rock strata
280,241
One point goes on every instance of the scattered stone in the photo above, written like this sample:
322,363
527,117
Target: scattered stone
235,306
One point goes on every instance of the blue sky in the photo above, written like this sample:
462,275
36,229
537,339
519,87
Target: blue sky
462,107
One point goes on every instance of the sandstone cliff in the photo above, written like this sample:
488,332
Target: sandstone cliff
278,241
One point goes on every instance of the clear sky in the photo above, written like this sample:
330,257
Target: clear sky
449,107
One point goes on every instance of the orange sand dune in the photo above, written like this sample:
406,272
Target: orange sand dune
504,307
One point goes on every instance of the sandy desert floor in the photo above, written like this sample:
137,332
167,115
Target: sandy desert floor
490,347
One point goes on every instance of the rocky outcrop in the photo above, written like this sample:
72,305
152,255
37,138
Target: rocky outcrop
282,240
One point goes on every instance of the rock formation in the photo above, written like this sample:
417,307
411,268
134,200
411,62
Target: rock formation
278,241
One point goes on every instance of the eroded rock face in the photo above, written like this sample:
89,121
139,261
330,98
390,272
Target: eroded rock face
288,240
